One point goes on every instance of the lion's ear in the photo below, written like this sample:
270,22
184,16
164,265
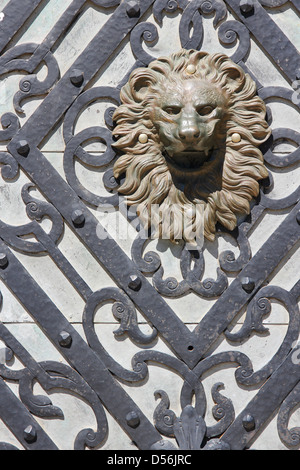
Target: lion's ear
140,82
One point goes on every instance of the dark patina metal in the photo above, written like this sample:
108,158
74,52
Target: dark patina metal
91,372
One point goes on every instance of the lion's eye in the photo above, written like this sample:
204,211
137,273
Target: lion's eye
172,110
205,110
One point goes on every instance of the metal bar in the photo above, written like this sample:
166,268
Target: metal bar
63,23
16,13
270,37
263,405
258,269
64,265
78,354
22,424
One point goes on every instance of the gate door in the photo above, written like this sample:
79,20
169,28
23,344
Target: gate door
110,337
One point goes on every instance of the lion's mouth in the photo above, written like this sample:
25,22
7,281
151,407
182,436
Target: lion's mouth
190,159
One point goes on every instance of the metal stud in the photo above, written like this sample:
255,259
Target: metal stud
30,434
236,138
23,148
64,339
78,217
76,77
191,69
247,6
3,260
143,138
132,419
248,284
248,423
133,9
134,282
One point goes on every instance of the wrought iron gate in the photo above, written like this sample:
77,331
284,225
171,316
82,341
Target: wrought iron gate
244,281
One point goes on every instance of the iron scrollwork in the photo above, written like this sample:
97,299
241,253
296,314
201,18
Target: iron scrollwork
138,286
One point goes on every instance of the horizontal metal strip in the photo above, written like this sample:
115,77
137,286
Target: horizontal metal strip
78,353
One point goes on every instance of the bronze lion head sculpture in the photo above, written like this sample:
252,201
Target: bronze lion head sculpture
189,130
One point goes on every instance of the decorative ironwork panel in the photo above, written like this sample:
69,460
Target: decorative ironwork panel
165,346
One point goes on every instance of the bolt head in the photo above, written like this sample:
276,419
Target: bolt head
191,69
23,148
236,137
248,423
248,284
133,419
143,138
64,339
133,9
3,260
78,217
247,6
30,434
134,282
76,77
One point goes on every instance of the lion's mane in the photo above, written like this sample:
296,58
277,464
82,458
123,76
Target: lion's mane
148,179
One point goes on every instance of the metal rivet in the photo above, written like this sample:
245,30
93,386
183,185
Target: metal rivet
247,284
23,148
236,138
248,423
247,6
76,77
78,217
30,434
133,419
143,138
191,69
133,9
134,282
3,260
298,217
64,339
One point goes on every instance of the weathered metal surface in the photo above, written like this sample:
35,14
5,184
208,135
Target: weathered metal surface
92,373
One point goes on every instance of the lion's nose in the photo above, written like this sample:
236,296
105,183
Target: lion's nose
189,132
